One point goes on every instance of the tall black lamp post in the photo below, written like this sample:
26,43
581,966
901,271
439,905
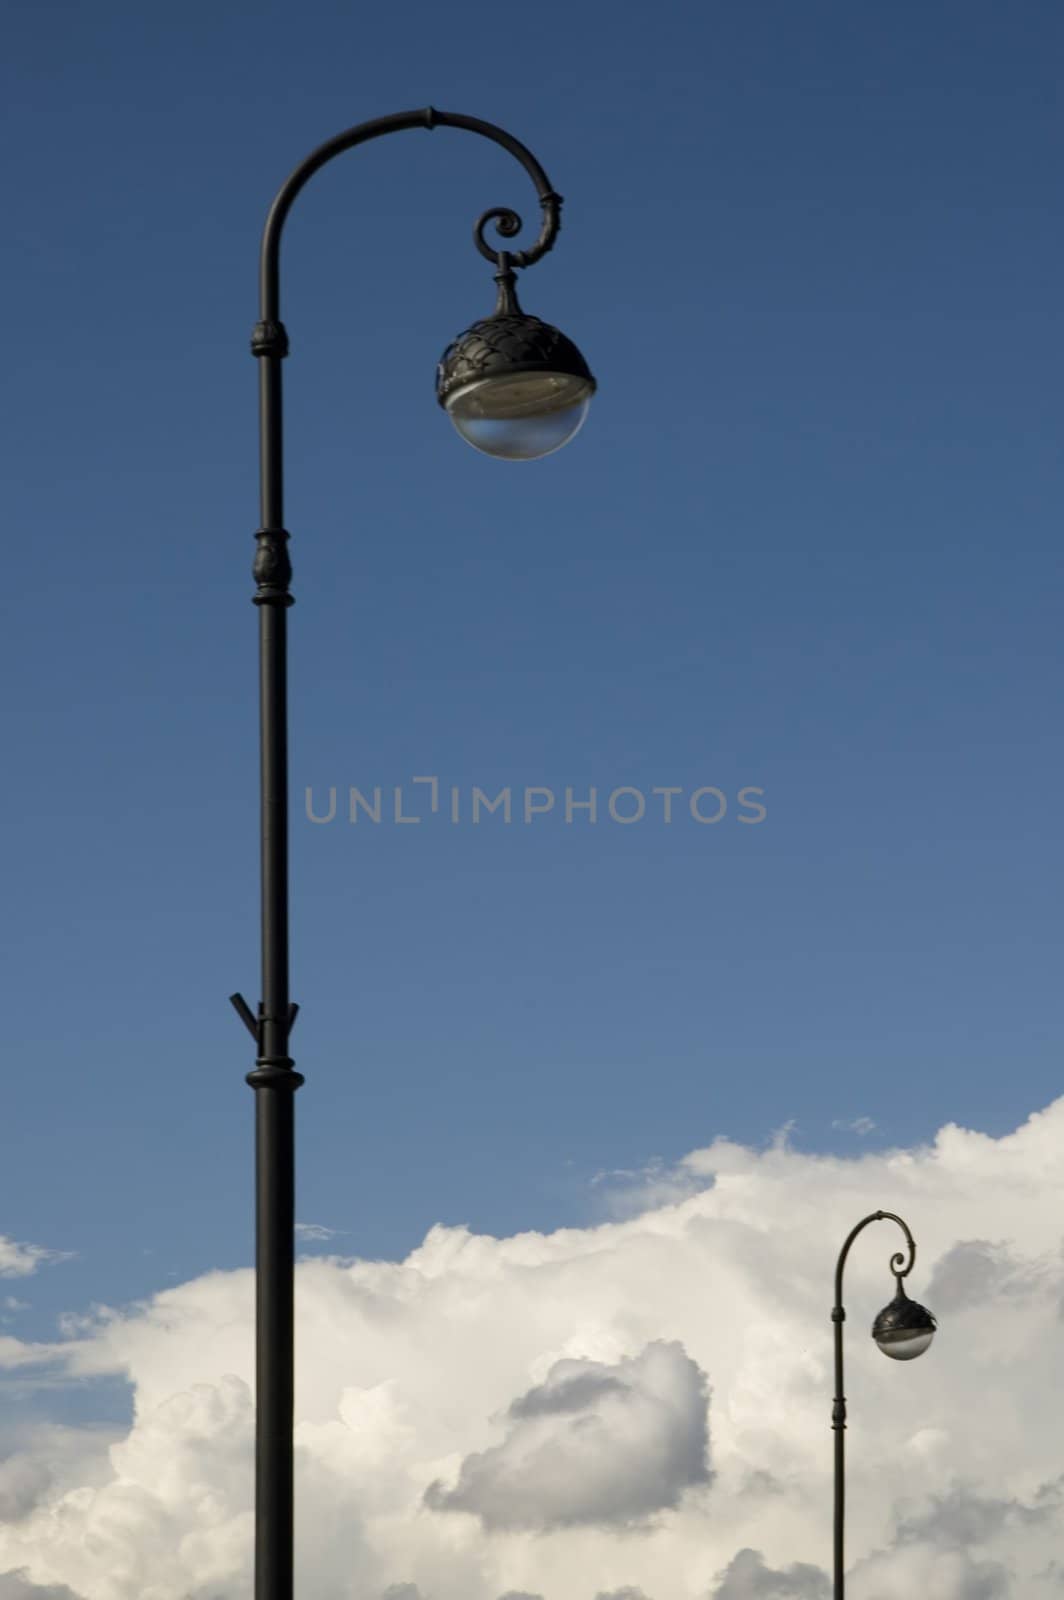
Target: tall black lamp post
514,387
902,1330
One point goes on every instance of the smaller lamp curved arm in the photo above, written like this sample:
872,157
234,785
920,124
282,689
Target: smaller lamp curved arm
895,1261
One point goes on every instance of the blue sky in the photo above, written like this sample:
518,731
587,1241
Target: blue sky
807,541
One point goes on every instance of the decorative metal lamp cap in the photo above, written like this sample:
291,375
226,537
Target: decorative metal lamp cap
904,1328
503,345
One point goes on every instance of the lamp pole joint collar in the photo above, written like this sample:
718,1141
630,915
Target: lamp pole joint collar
269,338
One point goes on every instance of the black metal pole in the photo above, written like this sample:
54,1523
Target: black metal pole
274,1078
838,1423
838,1410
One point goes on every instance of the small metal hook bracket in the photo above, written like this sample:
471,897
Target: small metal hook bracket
246,1015
254,1024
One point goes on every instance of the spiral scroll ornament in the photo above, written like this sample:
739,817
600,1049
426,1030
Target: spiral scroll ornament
508,225
898,1265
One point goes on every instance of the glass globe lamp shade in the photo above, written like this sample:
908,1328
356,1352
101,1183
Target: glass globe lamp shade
903,1330
513,386
520,416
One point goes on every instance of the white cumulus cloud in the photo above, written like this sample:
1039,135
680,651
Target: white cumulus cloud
594,1443
636,1410
314,1232
748,1578
21,1260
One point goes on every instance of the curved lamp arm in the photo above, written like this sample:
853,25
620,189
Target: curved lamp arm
507,221
895,1260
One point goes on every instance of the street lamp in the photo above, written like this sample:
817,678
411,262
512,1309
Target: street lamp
902,1330
514,387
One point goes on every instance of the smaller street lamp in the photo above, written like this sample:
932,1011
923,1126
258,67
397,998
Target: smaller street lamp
902,1330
